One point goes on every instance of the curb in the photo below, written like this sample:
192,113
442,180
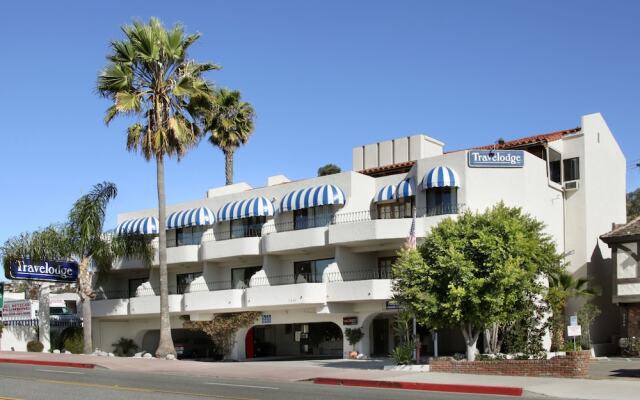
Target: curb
434,387
66,364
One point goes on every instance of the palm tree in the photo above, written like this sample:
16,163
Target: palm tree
562,287
230,122
148,76
81,238
95,250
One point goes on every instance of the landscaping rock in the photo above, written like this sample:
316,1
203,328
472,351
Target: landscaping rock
56,351
67,352
147,355
170,357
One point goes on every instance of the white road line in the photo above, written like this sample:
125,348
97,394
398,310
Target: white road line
60,372
245,386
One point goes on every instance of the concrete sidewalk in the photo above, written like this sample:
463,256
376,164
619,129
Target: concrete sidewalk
290,371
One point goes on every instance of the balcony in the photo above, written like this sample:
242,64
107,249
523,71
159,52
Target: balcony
303,234
361,229
213,296
109,307
285,290
179,254
350,286
225,247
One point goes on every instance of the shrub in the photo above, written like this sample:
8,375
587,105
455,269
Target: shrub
125,347
35,346
403,353
71,339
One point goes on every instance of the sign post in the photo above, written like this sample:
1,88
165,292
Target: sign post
1,295
574,329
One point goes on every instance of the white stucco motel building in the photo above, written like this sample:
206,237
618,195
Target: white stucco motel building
314,255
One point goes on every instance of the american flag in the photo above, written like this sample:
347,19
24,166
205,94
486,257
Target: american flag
411,240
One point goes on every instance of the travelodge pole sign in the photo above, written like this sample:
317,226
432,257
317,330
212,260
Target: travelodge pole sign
496,158
53,271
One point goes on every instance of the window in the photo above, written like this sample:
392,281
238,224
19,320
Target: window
185,236
442,200
310,271
555,166
240,277
571,169
397,209
134,283
247,227
384,267
183,280
312,217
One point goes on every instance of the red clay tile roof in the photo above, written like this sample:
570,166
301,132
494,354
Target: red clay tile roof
547,137
401,167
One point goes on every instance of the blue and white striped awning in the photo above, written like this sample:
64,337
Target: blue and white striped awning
312,197
386,193
254,207
405,189
139,226
441,177
201,216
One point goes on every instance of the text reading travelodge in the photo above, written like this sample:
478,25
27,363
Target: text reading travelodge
57,271
496,158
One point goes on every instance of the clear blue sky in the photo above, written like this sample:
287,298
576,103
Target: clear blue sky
324,76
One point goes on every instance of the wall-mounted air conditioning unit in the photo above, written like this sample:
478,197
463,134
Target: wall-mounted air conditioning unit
571,185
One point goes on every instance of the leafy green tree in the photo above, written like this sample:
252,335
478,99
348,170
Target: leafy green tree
149,77
329,169
633,204
562,287
586,315
473,272
42,245
230,121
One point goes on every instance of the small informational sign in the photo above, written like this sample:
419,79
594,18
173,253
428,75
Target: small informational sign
392,305
350,321
573,320
574,330
53,271
266,318
495,158
19,309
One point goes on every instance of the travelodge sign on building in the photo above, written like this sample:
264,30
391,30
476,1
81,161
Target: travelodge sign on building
496,158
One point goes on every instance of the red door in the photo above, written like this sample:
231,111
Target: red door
248,344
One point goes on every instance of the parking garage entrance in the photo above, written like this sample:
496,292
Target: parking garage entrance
310,340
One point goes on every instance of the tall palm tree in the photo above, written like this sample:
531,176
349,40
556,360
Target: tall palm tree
230,122
562,287
96,251
149,76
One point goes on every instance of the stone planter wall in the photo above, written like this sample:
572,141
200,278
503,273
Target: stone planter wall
573,365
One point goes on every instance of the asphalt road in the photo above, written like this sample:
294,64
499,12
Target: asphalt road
49,383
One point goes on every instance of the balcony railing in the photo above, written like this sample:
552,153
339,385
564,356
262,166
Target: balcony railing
272,280
362,275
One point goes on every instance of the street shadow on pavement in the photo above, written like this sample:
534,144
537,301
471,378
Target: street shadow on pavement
626,373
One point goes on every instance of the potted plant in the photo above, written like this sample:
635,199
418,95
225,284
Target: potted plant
353,336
